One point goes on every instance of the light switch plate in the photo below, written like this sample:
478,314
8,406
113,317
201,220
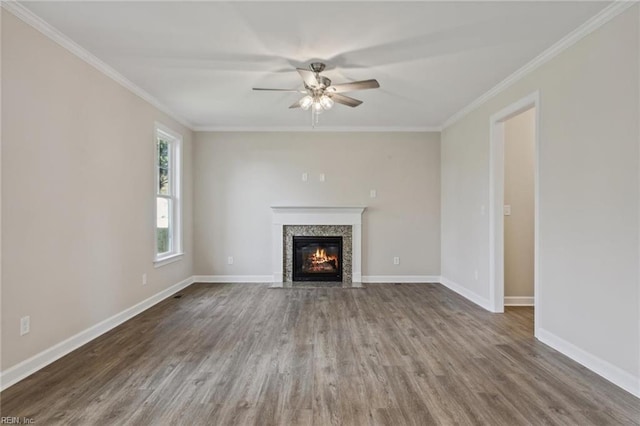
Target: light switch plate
373,193
305,177
507,210
321,177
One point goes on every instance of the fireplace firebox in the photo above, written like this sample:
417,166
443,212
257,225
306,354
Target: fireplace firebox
317,258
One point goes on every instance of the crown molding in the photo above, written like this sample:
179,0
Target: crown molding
337,129
597,21
52,33
55,35
604,16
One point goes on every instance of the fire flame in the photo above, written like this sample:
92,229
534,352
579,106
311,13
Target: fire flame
321,261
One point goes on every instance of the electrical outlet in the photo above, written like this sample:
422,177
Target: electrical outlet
144,279
230,260
373,193
25,325
396,260
305,177
321,177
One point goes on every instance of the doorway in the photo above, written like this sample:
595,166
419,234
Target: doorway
508,202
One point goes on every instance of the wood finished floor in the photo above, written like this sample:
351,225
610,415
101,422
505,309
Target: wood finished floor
413,354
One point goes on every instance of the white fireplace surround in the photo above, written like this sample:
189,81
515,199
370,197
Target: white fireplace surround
298,215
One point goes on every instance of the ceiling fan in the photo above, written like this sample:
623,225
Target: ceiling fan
320,95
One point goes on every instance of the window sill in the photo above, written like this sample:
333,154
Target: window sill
167,260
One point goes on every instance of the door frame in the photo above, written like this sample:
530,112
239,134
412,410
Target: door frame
496,201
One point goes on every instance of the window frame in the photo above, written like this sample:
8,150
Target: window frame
174,141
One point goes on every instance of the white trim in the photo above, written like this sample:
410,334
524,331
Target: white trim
337,129
638,18
269,278
536,219
316,215
232,278
466,293
401,279
519,301
167,260
29,366
496,221
615,375
496,202
1,259
331,214
176,175
55,35
168,131
604,16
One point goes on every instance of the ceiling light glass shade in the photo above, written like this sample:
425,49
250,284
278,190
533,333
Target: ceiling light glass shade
326,102
317,107
306,102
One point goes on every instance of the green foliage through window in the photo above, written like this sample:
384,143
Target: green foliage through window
163,167
163,240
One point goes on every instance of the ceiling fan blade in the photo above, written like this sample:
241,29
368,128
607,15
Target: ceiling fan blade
296,104
356,85
277,90
309,77
345,100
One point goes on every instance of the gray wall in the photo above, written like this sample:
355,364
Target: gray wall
77,195
519,165
589,195
239,176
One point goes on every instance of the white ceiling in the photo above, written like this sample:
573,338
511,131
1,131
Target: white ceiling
201,59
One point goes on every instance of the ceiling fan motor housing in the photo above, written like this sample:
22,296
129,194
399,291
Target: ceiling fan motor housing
323,83
317,67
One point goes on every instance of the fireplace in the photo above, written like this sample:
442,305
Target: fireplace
317,258
290,221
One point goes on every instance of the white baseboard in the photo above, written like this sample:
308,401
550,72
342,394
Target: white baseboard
518,301
270,278
599,366
466,293
400,279
232,278
29,366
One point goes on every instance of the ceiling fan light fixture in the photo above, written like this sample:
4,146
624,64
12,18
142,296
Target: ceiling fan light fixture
306,102
321,94
326,102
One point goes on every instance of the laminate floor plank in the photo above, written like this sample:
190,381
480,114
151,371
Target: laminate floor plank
244,354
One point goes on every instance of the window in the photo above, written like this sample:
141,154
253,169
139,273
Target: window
168,230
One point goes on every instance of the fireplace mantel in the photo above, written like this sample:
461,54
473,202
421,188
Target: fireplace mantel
316,215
